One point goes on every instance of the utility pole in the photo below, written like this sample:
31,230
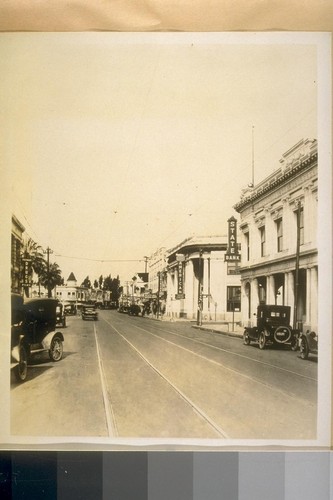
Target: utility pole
48,251
146,262
298,219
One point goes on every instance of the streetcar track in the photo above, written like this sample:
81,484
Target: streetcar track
187,400
109,415
232,370
234,354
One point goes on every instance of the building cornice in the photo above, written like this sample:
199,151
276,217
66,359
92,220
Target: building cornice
276,182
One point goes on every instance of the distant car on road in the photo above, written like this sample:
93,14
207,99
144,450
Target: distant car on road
272,327
88,311
69,309
33,329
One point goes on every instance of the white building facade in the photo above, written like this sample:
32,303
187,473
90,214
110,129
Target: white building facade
279,239
199,278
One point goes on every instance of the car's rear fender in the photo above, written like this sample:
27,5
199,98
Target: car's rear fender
49,337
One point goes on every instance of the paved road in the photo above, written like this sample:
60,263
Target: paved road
126,376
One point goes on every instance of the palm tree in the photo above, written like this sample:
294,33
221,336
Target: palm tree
51,277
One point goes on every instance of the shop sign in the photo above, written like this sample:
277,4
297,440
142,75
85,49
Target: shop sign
27,277
180,278
232,253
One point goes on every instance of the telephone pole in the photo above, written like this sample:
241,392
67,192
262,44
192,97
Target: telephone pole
298,219
48,251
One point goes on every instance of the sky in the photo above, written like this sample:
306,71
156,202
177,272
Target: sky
118,144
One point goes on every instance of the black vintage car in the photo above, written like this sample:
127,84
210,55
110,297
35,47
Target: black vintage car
89,311
33,329
272,327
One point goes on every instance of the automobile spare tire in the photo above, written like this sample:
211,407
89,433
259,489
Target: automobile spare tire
282,334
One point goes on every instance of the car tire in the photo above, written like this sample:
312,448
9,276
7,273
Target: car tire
56,349
294,344
262,340
246,338
21,370
304,348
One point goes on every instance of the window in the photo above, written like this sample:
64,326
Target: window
233,298
247,245
279,232
262,241
233,268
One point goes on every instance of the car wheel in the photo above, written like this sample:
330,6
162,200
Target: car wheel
21,370
56,349
262,340
294,344
246,338
304,348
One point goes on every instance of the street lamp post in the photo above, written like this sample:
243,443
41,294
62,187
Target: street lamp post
200,298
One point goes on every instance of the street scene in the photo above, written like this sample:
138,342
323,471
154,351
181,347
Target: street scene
126,376
167,266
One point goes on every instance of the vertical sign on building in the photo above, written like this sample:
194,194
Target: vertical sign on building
27,281
232,253
180,264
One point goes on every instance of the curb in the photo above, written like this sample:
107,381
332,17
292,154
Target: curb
214,330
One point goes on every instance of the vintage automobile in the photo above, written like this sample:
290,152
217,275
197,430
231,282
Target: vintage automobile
272,327
69,309
134,310
61,316
88,311
308,344
33,330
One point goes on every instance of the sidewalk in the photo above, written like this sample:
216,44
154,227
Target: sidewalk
222,327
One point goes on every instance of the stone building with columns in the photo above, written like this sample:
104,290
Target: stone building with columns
199,276
272,214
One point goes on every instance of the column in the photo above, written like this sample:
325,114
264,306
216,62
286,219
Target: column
254,299
205,288
189,288
245,288
270,289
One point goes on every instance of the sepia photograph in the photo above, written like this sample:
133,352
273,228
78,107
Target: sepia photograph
167,207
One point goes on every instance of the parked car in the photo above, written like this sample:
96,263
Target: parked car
61,316
308,344
33,330
272,327
134,310
88,311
